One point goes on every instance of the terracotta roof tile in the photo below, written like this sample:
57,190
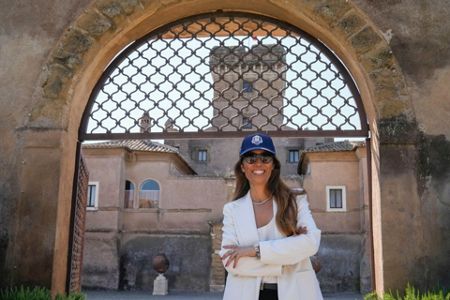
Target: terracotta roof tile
329,147
335,147
133,145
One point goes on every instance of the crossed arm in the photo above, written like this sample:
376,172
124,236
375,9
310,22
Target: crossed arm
241,259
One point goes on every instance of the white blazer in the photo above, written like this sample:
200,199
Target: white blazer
287,258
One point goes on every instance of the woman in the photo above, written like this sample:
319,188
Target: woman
268,233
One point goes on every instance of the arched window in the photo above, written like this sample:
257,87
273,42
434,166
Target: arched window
149,194
129,194
204,71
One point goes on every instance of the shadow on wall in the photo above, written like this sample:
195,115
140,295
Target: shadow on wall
189,257
340,257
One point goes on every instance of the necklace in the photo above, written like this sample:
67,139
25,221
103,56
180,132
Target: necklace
262,202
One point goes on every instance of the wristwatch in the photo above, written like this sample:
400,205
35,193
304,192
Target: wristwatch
258,253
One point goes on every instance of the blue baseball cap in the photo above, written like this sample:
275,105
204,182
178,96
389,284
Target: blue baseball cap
257,141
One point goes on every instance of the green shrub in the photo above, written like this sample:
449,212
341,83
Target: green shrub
410,294
35,293
25,293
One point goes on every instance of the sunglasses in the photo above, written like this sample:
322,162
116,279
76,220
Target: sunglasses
264,158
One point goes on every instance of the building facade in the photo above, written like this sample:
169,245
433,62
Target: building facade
129,220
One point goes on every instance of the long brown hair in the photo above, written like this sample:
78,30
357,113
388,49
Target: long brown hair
286,217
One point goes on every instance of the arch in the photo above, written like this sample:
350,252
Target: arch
129,194
175,74
149,194
150,185
129,185
90,43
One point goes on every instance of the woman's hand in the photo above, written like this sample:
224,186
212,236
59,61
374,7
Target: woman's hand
236,252
301,230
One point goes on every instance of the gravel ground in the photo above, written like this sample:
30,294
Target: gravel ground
141,295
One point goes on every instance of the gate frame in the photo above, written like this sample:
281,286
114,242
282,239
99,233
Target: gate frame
71,72
364,131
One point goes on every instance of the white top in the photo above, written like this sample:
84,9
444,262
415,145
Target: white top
243,281
267,233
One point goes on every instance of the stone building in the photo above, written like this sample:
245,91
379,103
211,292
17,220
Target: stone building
248,90
251,82
335,178
183,219
53,54
144,200
141,182
236,69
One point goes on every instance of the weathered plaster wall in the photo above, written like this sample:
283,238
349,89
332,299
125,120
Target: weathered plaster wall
101,265
419,36
222,155
340,257
323,168
27,34
344,250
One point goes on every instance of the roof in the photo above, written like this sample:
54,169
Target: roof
139,145
342,146
133,145
335,147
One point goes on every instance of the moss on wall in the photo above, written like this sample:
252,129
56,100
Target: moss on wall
398,130
433,163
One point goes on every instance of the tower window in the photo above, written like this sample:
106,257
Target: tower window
247,86
246,123
293,156
202,155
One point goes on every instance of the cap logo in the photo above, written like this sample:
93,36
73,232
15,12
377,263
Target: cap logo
257,140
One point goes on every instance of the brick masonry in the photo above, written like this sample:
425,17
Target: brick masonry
217,275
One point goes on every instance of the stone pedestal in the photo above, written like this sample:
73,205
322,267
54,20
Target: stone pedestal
160,286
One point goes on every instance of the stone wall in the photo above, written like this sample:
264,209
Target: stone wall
101,261
188,254
340,256
419,34
126,263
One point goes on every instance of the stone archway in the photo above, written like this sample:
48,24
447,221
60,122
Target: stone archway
107,26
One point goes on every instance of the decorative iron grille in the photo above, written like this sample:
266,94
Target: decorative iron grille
226,73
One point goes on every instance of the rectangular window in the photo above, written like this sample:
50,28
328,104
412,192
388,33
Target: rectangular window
336,198
246,123
92,196
247,86
293,156
202,155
